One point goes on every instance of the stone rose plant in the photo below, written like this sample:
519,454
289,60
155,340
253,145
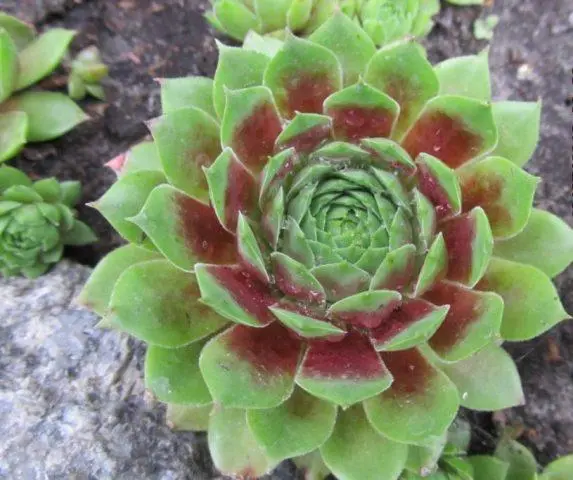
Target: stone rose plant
328,244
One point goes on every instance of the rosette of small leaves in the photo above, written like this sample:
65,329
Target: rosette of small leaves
384,20
87,70
25,59
328,244
36,221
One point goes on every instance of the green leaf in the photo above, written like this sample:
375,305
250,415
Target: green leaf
266,45
80,234
50,115
10,176
49,189
340,280
420,404
304,324
13,133
487,467
96,293
522,464
518,125
237,68
401,71
546,243
355,451
22,33
467,76
295,280
71,192
184,92
43,55
532,304
559,469
249,248
76,87
188,417
434,266
349,42
297,427
235,18
159,304
312,466
173,375
299,14
366,309
183,151
301,76
247,367
502,189
8,65
487,381
125,199
143,156
233,447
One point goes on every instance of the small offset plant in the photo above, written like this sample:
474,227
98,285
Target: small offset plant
384,20
36,221
26,114
87,70
328,244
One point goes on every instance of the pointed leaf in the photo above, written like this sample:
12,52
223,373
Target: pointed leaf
343,372
251,125
236,294
301,76
13,133
22,33
79,234
434,267
184,92
453,129
173,375
467,76
306,132
272,14
273,216
126,198
184,229
389,155
487,467
469,243
420,404
305,321
414,322
355,451
10,176
250,250
8,65
297,427
402,71
237,68
366,309
248,367
232,189
340,280
473,320
559,469
298,14
187,140
503,190
426,217
349,42
532,304
487,381
188,417
266,45
50,115
546,242
518,125
143,156
396,270
235,18
233,447
295,280
43,55
439,184
277,172
159,304
522,464
96,293
361,111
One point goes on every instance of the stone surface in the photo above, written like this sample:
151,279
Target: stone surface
72,400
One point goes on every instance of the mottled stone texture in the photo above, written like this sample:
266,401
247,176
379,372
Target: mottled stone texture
79,390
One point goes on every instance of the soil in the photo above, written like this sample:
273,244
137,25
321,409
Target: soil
142,40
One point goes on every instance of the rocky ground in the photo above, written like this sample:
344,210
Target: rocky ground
81,389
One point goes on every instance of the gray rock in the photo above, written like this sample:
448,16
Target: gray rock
72,399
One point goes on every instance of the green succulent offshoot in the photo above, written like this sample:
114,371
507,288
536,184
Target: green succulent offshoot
384,20
25,59
87,70
36,221
327,245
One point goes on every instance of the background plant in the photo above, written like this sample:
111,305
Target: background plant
363,222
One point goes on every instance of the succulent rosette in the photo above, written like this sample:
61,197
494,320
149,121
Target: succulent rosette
328,244
383,20
36,221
